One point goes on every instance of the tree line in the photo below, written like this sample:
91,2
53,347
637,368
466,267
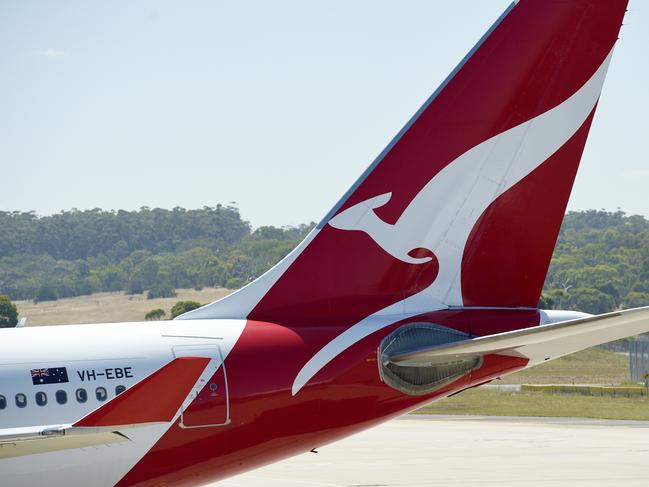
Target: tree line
601,261
154,250
75,234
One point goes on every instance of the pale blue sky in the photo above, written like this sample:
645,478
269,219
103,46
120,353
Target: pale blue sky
278,106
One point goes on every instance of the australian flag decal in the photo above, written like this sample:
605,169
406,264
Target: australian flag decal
53,375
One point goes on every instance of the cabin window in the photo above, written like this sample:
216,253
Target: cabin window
3,402
61,396
21,400
119,389
41,398
101,393
82,395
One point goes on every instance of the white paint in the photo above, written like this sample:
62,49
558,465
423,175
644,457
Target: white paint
460,194
549,316
363,218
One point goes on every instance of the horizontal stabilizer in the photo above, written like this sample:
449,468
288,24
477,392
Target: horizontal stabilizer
539,343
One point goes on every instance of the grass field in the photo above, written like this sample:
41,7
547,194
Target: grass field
591,366
485,402
107,307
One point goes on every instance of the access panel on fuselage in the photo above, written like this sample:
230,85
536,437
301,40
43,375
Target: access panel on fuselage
208,404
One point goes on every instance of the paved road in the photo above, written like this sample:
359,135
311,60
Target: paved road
471,451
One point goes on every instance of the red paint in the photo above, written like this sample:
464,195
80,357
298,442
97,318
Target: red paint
482,322
327,286
156,398
538,56
268,423
210,405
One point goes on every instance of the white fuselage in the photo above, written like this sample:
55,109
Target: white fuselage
100,361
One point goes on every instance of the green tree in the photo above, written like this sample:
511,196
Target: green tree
546,301
8,313
161,290
135,285
234,283
155,315
112,279
46,292
182,307
591,300
635,300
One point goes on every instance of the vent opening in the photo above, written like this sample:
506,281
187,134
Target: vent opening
440,371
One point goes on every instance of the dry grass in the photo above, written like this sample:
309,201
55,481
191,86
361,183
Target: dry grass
590,366
107,307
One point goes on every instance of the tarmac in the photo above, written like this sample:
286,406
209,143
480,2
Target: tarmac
422,451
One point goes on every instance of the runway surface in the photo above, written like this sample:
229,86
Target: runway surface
471,451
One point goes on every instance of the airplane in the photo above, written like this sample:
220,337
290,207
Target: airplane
421,282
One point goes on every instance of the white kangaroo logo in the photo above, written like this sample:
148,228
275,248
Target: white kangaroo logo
362,217
441,216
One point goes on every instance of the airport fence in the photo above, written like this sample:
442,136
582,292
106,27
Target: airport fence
588,390
618,346
639,360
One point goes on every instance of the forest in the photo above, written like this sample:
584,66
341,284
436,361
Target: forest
75,252
601,261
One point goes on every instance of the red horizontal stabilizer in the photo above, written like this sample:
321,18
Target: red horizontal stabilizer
155,398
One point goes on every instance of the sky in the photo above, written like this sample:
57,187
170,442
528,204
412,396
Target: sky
276,107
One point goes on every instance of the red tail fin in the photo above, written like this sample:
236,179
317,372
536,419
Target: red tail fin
464,206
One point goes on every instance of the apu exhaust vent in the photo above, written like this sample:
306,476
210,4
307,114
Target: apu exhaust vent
440,371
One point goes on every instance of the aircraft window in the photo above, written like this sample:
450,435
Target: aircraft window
3,402
101,393
82,395
61,396
21,400
41,398
119,390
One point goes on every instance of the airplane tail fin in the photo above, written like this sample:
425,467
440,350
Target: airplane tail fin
464,206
